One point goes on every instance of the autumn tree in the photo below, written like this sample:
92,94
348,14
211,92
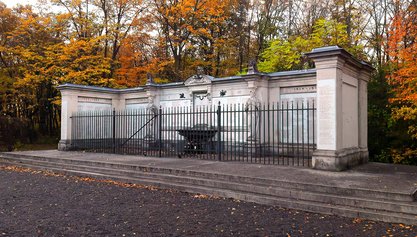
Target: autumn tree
285,54
379,14
29,94
8,66
107,22
116,43
402,47
118,18
177,21
196,32
80,18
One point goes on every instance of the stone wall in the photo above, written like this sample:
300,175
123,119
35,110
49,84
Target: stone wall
337,85
341,109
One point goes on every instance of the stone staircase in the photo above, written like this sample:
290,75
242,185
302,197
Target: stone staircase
388,206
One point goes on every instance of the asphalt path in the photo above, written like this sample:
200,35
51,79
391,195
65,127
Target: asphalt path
35,203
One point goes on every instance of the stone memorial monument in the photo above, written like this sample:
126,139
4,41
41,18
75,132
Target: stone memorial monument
337,87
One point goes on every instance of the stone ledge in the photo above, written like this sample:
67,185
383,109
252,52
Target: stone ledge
64,145
339,160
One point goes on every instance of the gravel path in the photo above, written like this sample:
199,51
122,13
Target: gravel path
34,203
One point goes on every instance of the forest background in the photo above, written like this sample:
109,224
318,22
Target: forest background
115,43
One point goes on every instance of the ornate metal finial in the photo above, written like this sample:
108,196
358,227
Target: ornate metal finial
252,67
149,78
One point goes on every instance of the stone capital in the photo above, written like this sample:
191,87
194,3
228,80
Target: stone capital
324,55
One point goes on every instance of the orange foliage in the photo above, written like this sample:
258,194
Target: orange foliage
402,48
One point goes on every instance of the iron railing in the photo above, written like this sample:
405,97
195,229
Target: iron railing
279,133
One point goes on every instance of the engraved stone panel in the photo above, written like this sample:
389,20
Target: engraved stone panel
350,115
136,103
94,100
87,106
326,110
297,116
64,123
136,106
142,100
298,89
176,103
93,104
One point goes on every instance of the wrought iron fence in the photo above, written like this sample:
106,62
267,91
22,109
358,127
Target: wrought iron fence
279,133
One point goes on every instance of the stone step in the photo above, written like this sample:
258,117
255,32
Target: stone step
367,205
396,206
305,205
285,184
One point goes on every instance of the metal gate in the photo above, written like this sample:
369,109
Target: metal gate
278,133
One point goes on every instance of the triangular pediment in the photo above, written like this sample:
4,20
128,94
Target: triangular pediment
198,80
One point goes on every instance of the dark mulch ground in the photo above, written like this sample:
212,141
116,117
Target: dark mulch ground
36,203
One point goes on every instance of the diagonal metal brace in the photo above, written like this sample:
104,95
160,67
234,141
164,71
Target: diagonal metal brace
124,143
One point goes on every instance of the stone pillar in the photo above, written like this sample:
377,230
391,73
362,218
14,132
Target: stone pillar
363,112
253,107
69,105
258,96
152,109
341,109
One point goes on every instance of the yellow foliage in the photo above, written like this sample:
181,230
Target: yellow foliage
402,49
405,156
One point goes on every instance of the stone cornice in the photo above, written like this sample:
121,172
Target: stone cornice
329,51
208,80
69,86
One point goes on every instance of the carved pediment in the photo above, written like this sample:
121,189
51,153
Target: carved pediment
198,80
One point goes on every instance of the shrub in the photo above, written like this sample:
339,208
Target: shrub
12,131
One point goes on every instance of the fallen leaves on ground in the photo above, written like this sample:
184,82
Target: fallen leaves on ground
262,220
77,178
357,220
205,196
201,196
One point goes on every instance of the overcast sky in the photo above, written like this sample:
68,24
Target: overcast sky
12,3
44,7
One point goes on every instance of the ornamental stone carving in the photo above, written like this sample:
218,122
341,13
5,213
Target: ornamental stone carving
149,79
199,79
252,67
252,108
151,112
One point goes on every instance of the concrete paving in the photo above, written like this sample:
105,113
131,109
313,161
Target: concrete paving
371,176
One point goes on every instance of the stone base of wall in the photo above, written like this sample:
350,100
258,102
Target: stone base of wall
64,145
364,155
339,160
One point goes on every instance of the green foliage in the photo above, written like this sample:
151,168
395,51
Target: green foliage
402,51
116,43
329,32
379,117
286,54
389,139
281,55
